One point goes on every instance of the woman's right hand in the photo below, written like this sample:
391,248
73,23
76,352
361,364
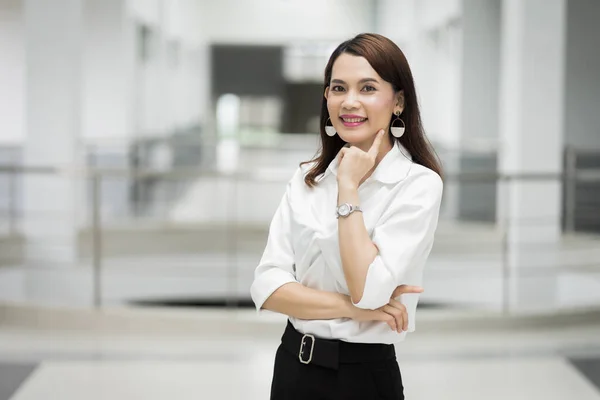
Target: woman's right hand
394,313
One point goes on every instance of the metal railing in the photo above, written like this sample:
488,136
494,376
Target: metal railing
96,177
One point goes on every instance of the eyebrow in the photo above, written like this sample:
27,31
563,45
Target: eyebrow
364,80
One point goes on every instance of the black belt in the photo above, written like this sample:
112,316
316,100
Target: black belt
329,353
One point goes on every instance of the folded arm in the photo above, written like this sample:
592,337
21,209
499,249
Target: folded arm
401,241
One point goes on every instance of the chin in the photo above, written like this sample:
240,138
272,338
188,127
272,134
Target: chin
355,137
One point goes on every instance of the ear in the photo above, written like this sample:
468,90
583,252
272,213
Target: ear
326,94
399,102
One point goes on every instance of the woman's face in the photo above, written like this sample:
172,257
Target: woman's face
359,102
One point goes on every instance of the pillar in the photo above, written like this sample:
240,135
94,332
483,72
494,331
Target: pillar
53,62
531,140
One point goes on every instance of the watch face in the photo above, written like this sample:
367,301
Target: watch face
344,210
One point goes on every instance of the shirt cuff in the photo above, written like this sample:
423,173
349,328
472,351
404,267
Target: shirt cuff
379,286
268,282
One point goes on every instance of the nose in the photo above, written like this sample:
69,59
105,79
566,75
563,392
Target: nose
350,101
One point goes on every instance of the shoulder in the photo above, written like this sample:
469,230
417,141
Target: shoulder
296,182
305,167
301,172
421,184
426,177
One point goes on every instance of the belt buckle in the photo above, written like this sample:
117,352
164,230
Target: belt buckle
312,347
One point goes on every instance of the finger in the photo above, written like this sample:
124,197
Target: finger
397,314
374,150
401,307
391,321
402,289
387,318
341,154
404,325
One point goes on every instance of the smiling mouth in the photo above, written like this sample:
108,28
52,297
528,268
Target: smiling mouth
353,120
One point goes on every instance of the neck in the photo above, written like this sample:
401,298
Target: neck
384,148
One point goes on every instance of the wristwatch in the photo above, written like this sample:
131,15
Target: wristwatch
345,209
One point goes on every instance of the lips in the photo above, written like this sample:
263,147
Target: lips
352,120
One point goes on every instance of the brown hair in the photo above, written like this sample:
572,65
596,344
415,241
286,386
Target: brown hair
391,65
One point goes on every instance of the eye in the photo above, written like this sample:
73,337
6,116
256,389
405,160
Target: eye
369,88
337,88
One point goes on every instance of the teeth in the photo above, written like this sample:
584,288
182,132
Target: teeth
354,119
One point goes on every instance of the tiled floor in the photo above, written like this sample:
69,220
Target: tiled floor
512,378
559,363
515,378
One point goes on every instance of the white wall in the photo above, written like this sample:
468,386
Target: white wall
107,72
188,80
435,13
178,96
12,78
277,21
480,63
396,20
169,95
147,11
437,68
123,99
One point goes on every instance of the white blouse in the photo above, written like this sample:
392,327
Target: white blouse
400,203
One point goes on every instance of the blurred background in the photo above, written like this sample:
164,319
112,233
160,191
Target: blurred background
145,144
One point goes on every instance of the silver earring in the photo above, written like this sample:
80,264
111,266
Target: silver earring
329,129
398,131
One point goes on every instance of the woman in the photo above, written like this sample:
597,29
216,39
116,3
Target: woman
350,238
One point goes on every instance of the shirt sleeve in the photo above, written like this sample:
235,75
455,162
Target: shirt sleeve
276,267
404,237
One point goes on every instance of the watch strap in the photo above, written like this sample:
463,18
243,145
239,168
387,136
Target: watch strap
351,207
354,208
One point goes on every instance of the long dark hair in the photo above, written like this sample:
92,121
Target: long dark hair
391,65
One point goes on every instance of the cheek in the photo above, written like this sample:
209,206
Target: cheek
378,104
379,110
332,106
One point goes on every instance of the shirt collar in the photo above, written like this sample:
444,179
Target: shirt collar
393,168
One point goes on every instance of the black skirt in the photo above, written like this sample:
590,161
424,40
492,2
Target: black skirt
307,367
